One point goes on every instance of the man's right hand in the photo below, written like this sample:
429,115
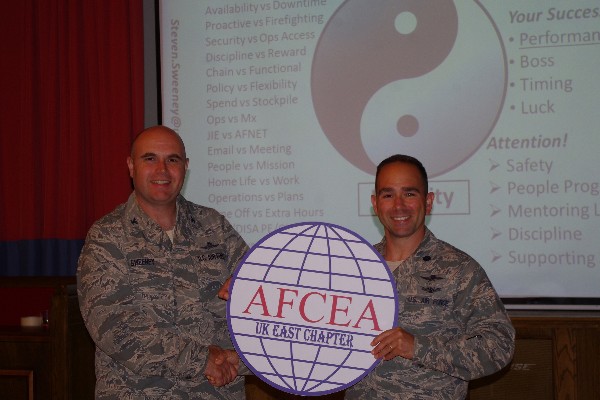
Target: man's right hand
224,291
222,366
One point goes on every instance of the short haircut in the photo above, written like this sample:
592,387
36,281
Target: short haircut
402,158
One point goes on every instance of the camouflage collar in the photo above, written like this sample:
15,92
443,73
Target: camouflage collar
420,252
138,222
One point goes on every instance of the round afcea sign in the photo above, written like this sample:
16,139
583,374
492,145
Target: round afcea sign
305,304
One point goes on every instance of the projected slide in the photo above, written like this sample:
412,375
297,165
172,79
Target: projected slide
287,106
400,48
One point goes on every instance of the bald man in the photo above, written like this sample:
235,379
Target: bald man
148,278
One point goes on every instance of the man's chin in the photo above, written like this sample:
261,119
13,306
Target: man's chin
160,199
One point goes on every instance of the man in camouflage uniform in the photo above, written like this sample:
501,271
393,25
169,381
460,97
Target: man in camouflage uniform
452,326
148,278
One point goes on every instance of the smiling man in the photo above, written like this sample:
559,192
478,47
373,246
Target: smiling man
157,166
148,278
452,326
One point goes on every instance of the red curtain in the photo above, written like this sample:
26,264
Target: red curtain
71,74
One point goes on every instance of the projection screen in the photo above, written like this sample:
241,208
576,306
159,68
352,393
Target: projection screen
287,106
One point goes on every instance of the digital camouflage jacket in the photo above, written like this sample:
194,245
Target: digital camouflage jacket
461,329
151,305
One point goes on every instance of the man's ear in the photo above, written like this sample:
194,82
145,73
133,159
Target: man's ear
130,166
429,203
374,203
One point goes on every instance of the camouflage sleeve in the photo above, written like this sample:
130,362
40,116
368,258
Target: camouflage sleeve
122,330
236,246
487,344
236,249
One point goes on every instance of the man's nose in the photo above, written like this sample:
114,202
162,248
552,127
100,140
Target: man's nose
398,201
162,165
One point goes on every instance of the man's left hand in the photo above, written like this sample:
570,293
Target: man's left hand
392,343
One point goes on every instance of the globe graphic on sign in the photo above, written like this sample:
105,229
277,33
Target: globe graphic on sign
305,304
